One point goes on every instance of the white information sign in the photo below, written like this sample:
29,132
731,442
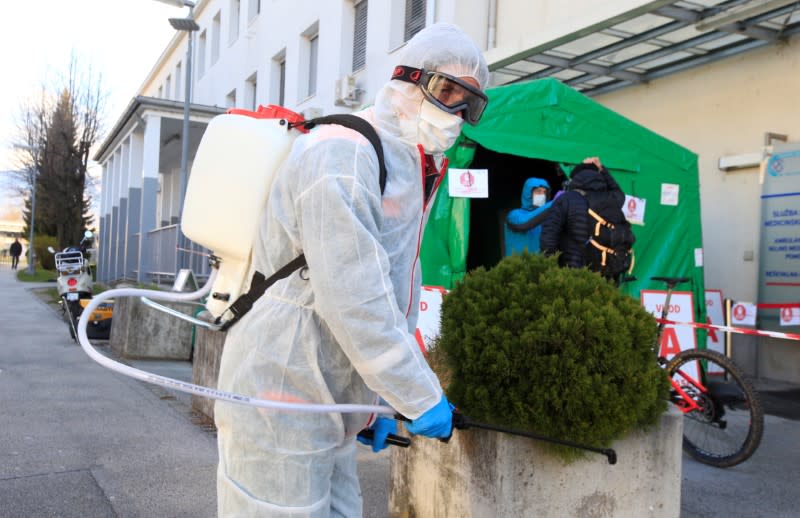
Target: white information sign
669,193
430,310
743,314
681,309
634,209
468,183
790,316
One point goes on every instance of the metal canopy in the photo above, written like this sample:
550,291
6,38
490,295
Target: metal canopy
647,45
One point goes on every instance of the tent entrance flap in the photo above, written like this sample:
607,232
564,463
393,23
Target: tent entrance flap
507,176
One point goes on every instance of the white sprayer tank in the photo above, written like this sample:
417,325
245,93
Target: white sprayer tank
228,187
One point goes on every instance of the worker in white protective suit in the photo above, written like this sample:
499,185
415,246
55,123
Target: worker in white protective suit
342,330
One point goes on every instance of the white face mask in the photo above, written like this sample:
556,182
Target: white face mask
539,200
438,130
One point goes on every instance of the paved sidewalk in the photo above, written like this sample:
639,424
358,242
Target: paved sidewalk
79,440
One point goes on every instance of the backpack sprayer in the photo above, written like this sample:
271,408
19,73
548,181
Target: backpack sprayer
265,138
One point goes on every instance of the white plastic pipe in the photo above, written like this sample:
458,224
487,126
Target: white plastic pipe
190,388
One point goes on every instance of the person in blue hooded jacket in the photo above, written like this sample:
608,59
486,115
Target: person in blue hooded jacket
523,225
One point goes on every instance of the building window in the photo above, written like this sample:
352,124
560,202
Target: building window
230,99
253,8
215,27
168,87
251,85
277,87
236,6
201,54
415,17
360,35
282,80
313,53
160,92
178,82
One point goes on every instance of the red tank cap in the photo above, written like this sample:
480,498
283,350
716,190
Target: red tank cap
272,111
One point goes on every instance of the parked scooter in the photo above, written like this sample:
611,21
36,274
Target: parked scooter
75,283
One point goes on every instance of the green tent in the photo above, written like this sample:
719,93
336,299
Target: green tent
543,128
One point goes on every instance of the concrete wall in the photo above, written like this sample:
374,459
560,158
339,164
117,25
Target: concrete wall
482,474
205,366
139,331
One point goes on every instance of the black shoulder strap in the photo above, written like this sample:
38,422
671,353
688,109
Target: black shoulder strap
259,283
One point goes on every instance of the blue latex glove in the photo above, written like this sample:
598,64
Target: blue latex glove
436,422
382,427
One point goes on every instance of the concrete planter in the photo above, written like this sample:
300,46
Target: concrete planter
142,332
205,366
486,474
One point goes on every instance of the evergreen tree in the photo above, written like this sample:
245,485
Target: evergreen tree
58,132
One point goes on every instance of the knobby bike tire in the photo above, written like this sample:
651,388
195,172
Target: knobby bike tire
728,428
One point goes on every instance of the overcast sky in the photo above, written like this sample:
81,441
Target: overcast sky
121,38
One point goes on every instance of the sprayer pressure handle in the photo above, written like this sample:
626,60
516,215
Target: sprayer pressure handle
394,440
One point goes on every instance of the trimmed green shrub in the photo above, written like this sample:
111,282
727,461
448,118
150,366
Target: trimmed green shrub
555,351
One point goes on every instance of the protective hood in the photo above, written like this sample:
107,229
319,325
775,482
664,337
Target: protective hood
526,201
439,47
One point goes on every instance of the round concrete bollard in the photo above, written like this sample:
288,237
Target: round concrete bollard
482,474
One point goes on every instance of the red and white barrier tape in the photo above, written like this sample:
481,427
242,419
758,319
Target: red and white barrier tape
729,329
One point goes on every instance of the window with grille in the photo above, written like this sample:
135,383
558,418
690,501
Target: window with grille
415,17
360,35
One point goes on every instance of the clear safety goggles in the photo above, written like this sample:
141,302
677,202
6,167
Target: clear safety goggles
446,92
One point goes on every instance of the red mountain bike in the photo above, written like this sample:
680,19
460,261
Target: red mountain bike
723,418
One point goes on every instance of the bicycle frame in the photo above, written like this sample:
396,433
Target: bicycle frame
685,402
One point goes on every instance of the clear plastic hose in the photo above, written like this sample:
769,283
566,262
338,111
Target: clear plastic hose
190,388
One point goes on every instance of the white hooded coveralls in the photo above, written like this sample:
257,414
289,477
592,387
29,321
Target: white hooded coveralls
343,330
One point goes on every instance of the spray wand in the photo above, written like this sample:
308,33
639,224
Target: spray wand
462,422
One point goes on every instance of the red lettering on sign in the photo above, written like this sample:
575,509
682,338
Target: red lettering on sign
786,314
739,312
709,302
423,306
669,342
632,204
673,308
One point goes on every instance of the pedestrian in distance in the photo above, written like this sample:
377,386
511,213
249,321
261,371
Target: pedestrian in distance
342,329
15,250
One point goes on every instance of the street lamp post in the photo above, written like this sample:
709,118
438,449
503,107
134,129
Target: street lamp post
187,25
31,268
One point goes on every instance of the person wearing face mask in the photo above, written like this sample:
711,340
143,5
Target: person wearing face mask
342,329
523,225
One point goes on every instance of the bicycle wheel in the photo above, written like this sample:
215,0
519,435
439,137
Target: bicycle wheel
725,428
